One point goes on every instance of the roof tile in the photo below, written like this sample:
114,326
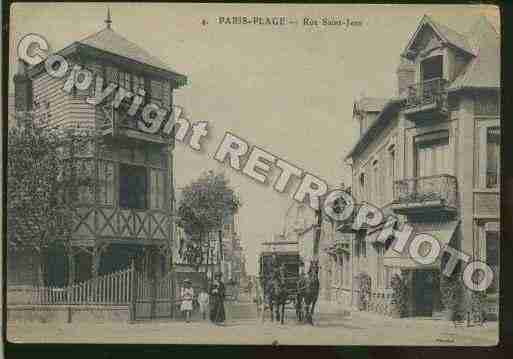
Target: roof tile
110,41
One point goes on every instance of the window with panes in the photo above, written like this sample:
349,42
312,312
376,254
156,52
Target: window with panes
493,157
391,173
433,155
156,92
125,80
492,258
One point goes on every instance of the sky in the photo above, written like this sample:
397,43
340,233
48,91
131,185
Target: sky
289,90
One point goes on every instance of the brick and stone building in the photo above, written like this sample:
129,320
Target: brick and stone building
430,155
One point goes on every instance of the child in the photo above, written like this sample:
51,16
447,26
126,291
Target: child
203,300
187,295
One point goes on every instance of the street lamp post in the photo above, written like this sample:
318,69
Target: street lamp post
220,252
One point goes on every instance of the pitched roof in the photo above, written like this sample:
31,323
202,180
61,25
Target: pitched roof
451,36
109,41
376,126
483,71
447,35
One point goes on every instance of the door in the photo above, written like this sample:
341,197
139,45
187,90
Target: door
423,293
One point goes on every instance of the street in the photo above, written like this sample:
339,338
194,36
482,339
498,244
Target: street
332,327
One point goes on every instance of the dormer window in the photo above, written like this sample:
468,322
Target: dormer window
432,68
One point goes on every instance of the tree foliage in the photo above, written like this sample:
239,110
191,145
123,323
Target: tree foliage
204,203
43,179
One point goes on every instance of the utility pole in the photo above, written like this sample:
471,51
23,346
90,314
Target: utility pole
207,268
220,252
317,238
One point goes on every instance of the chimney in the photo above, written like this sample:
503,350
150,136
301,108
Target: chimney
405,75
22,88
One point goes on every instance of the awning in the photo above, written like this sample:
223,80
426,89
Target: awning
443,232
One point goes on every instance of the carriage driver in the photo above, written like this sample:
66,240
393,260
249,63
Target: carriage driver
301,287
272,265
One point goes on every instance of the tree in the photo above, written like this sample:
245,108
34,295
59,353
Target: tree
43,179
204,204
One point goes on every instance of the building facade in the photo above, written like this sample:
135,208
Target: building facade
430,155
126,211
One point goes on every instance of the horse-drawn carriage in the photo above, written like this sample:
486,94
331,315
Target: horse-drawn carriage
280,285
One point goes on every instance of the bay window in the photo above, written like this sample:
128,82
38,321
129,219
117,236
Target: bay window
132,186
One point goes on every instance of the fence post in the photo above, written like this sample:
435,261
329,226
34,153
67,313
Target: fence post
133,292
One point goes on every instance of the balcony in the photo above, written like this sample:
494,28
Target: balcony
426,99
119,124
423,195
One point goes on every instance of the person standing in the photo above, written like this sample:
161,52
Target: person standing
250,289
187,296
217,295
203,300
301,290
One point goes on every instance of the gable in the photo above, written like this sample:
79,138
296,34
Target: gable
431,35
426,41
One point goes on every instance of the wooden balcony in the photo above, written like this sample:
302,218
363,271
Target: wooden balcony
119,124
426,99
425,195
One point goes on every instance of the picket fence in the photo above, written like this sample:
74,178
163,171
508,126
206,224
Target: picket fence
110,289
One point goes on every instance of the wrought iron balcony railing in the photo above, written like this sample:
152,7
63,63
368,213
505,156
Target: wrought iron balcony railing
439,190
428,92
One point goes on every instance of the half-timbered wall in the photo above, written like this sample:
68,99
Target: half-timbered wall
98,215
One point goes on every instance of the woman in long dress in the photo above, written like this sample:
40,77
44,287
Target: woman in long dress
187,295
217,294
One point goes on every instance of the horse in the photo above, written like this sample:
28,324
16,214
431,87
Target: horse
275,296
310,292
300,294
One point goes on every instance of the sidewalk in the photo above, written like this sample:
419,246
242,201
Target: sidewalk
444,330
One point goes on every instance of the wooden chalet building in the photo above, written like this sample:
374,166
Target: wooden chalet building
127,212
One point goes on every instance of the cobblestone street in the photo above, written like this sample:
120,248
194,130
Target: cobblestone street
332,327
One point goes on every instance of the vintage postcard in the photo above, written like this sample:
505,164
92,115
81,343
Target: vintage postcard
253,174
